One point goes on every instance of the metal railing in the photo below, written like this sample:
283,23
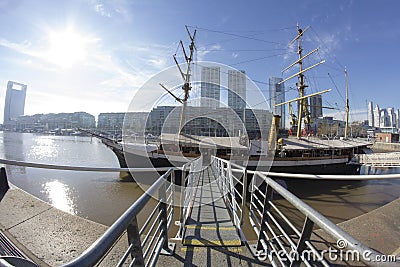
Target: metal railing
191,173
286,243
336,177
145,243
79,168
232,181
391,159
281,239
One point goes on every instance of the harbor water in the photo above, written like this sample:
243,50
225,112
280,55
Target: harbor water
103,197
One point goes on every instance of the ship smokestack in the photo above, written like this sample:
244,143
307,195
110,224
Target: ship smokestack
273,134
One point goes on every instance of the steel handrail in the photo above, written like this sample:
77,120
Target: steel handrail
329,176
227,182
240,169
81,168
189,187
102,245
324,224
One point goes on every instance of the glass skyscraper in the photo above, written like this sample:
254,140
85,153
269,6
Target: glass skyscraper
276,96
316,106
237,89
210,87
14,104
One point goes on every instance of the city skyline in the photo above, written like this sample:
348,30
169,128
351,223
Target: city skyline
386,119
94,55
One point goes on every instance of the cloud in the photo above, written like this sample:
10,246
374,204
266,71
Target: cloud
203,51
327,42
22,48
99,8
290,51
41,52
112,9
104,82
157,62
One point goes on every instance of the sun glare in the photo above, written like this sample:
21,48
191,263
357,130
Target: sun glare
66,48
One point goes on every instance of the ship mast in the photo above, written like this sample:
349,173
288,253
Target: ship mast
303,100
300,85
185,76
347,103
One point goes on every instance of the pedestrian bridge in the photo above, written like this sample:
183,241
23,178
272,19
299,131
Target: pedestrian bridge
217,205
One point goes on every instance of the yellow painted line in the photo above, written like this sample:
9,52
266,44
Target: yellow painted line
396,252
199,249
212,242
201,227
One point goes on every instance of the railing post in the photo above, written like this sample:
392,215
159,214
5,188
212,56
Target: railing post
219,173
223,179
226,180
265,218
301,245
182,200
173,190
232,195
134,239
244,196
162,198
3,183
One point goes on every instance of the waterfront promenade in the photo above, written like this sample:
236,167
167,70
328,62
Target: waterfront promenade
50,237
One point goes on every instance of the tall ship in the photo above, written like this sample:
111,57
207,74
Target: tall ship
300,152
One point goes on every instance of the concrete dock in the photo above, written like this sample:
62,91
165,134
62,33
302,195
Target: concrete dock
48,236
51,237
378,229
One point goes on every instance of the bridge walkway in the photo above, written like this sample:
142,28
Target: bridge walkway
210,223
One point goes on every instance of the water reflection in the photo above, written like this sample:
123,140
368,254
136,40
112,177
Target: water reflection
44,148
59,196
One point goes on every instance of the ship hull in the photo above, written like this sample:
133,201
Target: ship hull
323,166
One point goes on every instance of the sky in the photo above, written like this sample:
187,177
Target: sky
94,55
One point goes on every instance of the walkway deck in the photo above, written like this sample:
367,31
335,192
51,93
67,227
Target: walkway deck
210,223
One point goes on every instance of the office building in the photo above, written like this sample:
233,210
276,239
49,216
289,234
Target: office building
218,123
383,118
371,122
377,116
14,105
391,118
237,89
316,107
210,87
52,121
157,117
111,121
276,96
